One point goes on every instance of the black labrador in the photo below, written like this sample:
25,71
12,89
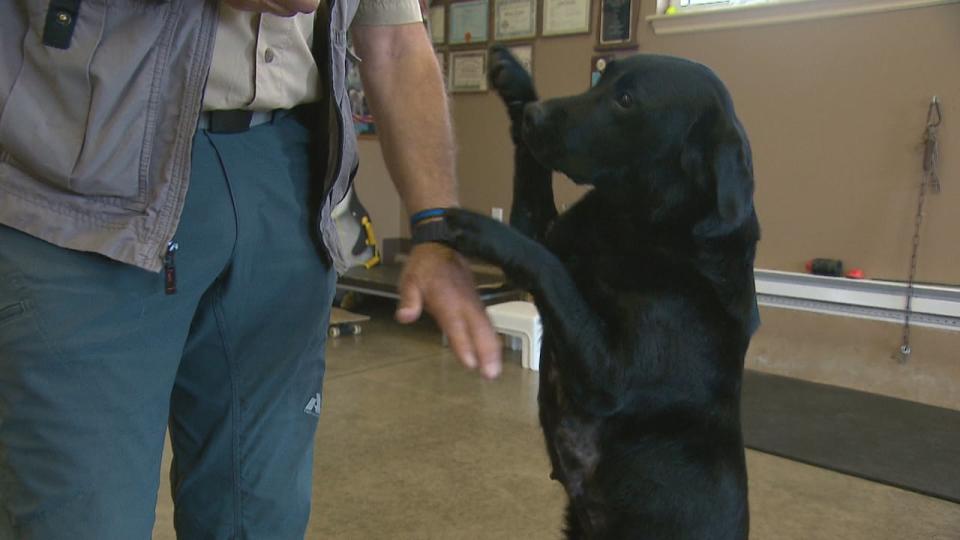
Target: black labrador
645,287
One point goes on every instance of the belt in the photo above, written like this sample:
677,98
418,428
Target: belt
237,121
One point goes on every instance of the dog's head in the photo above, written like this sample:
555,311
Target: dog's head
658,133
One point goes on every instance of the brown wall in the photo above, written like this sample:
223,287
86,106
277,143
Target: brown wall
835,110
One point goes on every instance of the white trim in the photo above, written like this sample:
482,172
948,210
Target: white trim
935,307
721,18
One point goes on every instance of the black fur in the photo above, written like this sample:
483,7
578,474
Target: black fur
645,287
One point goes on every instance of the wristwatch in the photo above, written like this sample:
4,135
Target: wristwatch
434,230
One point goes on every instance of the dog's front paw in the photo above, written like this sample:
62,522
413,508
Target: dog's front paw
509,78
472,234
479,236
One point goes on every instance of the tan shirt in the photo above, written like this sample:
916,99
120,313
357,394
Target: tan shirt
263,62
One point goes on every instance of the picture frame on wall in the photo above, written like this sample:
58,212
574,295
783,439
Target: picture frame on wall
514,19
617,27
566,17
363,121
524,54
442,62
468,71
438,24
469,22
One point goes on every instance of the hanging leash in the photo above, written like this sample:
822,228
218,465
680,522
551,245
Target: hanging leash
931,178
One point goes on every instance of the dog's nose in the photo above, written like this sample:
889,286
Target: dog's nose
532,116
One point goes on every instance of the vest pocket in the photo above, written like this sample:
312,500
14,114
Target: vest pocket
78,118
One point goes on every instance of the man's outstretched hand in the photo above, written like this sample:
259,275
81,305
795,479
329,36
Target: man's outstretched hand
437,279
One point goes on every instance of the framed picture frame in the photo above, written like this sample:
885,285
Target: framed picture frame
442,62
566,17
438,24
617,27
363,121
514,19
523,52
469,22
467,71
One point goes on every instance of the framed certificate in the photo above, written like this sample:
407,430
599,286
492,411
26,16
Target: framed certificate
524,55
616,28
562,17
438,24
514,19
468,71
442,62
363,121
469,21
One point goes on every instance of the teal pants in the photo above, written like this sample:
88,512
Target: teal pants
96,361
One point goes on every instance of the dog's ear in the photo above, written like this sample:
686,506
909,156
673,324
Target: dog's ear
717,154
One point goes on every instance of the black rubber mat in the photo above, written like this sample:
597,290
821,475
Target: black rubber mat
887,440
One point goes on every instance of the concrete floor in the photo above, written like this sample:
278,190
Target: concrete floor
412,446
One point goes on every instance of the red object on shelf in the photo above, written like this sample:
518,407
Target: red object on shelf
855,273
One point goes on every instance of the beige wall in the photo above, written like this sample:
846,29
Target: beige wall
377,193
835,110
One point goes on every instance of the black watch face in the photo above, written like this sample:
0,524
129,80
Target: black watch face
432,231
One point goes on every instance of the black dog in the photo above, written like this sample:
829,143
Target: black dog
645,288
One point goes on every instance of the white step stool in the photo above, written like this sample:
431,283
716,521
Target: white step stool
520,319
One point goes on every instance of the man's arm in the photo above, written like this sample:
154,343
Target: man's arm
404,87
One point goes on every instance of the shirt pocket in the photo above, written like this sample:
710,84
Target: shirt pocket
80,118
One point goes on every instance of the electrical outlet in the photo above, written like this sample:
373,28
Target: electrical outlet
497,213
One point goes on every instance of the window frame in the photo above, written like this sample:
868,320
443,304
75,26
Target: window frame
719,17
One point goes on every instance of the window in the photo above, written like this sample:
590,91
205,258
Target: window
693,4
679,16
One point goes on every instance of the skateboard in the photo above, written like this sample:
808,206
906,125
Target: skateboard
345,323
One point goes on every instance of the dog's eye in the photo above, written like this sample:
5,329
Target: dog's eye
625,100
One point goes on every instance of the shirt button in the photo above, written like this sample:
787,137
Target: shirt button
269,56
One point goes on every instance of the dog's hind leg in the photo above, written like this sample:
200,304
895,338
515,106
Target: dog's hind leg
533,209
590,375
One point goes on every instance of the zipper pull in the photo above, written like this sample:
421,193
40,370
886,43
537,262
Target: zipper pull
170,268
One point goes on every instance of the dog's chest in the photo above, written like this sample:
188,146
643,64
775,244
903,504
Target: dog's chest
574,439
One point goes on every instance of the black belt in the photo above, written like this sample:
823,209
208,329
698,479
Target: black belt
238,121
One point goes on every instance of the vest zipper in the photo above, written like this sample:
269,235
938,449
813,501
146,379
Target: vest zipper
170,268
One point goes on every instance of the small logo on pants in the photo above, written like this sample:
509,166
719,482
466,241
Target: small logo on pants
313,406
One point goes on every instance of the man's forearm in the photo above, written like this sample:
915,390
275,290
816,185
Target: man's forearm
405,90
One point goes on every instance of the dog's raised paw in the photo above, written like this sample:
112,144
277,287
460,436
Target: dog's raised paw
476,235
509,78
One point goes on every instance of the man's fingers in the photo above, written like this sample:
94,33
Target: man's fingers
410,305
471,337
485,343
435,278
459,336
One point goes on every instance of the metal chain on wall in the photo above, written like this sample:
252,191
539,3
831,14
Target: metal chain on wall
929,178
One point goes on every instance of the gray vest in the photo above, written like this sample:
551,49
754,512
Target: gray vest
98,108
335,133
